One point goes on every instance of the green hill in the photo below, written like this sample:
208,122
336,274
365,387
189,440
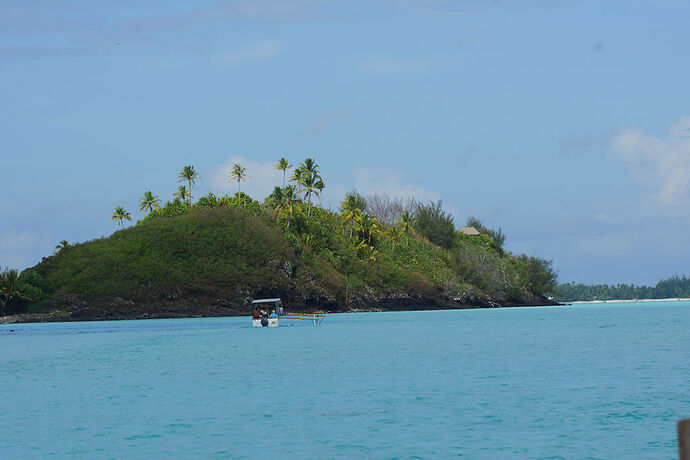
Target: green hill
212,258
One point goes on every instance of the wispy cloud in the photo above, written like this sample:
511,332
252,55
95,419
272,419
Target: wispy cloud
253,52
262,177
663,165
394,65
577,142
384,180
326,120
44,30
369,181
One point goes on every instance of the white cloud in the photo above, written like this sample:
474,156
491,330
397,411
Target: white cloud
253,52
262,177
369,181
384,180
663,165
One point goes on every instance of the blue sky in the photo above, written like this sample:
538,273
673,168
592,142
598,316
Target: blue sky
565,123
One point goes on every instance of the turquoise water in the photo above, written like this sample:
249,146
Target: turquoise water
587,381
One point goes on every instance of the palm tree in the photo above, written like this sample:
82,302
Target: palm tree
319,186
183,194
309,165
407,220
308,182
120,214
277,201
290,198
351,208
60,246
188,174
10,289
367,251
284,166
367,227
238,173
307,176
297,175
149,202
394,235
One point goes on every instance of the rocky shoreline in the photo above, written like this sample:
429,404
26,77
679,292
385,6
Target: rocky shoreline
74,309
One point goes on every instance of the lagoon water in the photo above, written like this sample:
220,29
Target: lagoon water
586,381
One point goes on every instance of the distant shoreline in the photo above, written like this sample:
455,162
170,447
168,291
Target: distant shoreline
109,314
626,300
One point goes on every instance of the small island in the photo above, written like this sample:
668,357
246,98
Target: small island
212,256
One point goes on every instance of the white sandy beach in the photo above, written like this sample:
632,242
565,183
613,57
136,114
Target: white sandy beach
629,300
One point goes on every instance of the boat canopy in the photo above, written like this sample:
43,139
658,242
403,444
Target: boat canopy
275,301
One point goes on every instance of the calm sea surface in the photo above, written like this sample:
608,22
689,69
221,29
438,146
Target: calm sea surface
587,381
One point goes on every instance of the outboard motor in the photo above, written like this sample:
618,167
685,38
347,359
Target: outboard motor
264,321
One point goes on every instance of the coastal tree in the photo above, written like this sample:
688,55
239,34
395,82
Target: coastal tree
149,202
12,298
386,209
406,220
64,244
308,181
540,274
309,166
497,236
306,175
319,186
435,224
190,175
367,227
283,200
283,165
296,175
183,194
276,200
351,207
290,198
120,214
395,236
239,174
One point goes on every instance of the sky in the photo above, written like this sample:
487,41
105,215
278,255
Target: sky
564,123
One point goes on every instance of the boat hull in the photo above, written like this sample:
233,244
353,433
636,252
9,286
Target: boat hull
272,322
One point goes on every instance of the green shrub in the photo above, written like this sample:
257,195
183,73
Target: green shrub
433,222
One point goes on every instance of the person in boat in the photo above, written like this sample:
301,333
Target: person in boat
257,314
273,314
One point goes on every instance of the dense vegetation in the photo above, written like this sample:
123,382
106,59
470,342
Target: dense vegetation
673,287
228,249
17,291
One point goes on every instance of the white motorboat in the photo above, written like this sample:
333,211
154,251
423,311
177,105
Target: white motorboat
272,307
274,310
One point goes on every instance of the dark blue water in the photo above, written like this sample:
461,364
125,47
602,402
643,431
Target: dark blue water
588,381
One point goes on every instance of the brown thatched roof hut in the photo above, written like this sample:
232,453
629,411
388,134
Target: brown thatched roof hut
469,231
